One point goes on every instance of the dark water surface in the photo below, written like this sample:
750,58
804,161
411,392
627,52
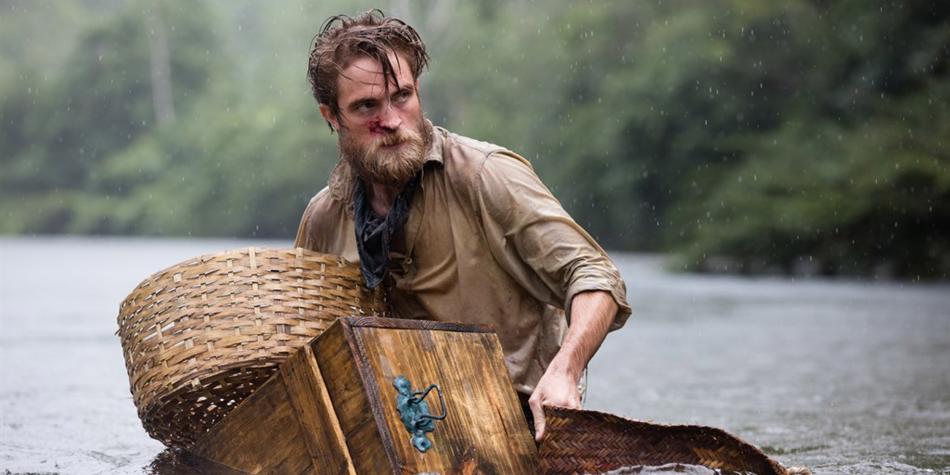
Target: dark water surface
841,376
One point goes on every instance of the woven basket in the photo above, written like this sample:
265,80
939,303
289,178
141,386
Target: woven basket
200,336
587,442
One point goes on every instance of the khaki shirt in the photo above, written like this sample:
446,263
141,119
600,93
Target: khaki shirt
485,242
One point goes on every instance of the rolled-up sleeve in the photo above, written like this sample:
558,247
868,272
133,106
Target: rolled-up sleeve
537,242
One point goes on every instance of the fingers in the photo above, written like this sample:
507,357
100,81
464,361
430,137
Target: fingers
537,410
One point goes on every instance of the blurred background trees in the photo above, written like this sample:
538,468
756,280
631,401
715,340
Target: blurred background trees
808,136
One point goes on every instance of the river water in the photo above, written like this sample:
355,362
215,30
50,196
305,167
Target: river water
841,376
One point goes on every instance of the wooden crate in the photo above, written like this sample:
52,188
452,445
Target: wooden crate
332,407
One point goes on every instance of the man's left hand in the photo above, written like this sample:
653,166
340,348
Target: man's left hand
556,388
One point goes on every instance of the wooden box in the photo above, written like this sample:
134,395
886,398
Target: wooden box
332,407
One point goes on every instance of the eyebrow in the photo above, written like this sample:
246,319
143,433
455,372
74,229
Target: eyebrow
371,100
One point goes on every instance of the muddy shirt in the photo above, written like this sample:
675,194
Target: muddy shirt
485,242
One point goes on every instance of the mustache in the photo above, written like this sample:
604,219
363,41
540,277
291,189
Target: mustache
396,137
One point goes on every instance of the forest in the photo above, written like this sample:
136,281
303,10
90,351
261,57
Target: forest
805,136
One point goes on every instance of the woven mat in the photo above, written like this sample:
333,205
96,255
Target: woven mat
590,442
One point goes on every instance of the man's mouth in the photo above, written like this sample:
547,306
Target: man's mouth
392,145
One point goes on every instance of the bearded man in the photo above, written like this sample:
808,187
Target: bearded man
452,228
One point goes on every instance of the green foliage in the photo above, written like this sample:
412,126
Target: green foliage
853,199
762,134
854,176
99,105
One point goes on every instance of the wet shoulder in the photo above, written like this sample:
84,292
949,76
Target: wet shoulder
465,158
322,222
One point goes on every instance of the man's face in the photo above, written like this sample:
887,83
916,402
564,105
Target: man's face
383,133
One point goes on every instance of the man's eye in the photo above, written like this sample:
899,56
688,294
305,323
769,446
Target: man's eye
403,96
364,107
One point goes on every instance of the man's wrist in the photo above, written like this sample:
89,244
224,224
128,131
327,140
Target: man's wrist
565,366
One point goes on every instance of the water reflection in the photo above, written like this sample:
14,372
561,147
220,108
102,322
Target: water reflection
182,462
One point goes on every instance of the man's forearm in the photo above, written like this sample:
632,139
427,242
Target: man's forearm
592,313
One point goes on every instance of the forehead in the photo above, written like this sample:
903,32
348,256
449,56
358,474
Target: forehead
363,78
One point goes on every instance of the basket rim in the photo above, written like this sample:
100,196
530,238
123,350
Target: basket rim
202,258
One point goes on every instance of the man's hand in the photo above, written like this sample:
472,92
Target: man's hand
556,388
591,315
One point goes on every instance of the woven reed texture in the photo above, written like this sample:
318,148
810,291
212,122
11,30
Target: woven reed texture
587,442
200,336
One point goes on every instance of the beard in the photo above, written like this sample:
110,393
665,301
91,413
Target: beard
376,163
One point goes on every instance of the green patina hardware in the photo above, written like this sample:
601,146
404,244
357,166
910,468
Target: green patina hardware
414,411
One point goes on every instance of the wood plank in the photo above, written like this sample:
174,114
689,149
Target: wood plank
485,431
261,435
320,427
373,394
377,322
335,358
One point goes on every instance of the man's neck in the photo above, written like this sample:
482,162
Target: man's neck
382,197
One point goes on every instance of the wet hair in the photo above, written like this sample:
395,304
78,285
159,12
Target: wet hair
371,34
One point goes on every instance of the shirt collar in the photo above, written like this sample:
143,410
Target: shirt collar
435,149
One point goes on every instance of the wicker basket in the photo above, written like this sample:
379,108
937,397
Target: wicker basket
586,442
200,336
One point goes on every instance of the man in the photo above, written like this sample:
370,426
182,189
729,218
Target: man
452,228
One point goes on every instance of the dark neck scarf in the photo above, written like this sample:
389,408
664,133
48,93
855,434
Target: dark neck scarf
374,233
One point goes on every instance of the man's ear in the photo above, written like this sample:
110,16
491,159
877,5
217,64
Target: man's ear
327,114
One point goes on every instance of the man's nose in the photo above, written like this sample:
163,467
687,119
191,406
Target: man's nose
389,119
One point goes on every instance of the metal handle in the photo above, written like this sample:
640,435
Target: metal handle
422,395
414,412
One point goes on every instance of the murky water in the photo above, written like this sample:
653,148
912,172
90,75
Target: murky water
841,376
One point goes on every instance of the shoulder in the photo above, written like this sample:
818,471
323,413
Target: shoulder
455,145
321,205
322,221
466,160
